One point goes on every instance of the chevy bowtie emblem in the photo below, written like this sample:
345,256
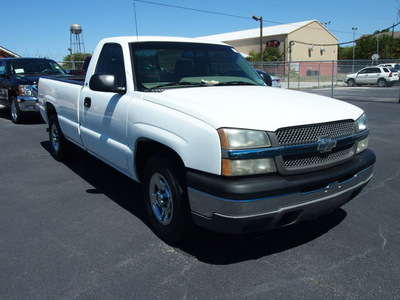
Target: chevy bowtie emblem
325,145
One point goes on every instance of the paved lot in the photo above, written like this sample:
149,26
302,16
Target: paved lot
76,231
363,93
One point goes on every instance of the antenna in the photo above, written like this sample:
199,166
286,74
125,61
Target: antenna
137,32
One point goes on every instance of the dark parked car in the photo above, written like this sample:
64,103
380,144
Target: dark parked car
18,83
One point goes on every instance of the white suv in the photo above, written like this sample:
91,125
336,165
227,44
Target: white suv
383,76
391,65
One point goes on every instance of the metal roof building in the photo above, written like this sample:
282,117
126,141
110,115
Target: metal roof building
7,53
309,40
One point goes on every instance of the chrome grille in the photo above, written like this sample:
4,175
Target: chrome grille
314,159
300,135
309,134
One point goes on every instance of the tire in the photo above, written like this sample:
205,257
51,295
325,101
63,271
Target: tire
382,82
166,201
60,147
351,82
16,114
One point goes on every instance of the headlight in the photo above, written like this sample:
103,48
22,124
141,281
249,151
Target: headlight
242,167
362,145
362,123
26,90
240,139
243,139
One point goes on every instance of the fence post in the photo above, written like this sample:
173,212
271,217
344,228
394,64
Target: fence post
299,75
319,73
333,76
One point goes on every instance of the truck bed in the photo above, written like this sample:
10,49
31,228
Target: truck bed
74,79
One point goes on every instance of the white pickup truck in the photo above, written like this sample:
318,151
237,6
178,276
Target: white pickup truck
211,144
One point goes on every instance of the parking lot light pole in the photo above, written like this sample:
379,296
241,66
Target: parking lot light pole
354,45
261,36
72,58
377,40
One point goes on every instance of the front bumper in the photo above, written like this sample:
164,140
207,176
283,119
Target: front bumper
26,104
253,204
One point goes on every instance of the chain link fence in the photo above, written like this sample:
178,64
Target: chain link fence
317,75
321,77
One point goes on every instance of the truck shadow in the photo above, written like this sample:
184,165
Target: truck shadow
31,119
221,249
206,246
105,180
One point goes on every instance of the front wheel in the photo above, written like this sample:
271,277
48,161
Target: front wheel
351,82
166,201
60,147
16,114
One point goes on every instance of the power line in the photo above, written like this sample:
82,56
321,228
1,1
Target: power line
193,9
221,14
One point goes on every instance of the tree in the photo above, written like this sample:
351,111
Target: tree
367,46
79,58
269,54
272,54
346,53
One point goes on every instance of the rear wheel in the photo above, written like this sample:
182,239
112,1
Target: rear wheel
166,201
16,114
60,147
351,82
382,82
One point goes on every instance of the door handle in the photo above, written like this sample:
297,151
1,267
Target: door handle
87,102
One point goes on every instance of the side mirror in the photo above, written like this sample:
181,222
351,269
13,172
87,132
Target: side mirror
266,78
3,74
105,83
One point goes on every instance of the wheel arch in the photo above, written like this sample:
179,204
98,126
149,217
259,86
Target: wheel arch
49,110
12,93
145,148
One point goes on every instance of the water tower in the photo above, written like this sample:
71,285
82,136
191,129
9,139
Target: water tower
76,39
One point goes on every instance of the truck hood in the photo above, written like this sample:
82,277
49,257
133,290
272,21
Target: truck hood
354,75
28,79
254,107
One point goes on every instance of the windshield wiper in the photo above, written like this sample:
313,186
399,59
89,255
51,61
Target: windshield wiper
183,83
236,82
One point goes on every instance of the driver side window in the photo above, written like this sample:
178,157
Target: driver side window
3,67
111,61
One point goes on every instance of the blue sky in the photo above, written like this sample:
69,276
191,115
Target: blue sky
41,28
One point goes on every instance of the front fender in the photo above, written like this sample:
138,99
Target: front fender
196,142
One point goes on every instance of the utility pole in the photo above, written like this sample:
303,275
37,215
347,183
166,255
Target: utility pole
261,36
291,43
354,46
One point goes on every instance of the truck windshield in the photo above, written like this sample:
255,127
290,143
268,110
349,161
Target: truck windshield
164,65
23,67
